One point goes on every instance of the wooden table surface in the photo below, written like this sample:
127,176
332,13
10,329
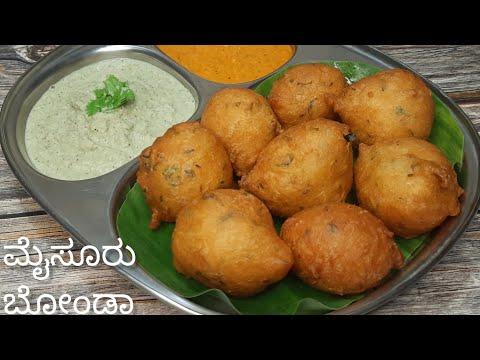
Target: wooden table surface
452,287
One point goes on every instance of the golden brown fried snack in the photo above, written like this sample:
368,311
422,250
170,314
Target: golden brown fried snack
391,104
245,123
408,183
226,240
341,248
179,167
307,165
306,92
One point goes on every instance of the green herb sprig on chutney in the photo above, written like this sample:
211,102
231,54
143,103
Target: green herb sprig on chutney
115,94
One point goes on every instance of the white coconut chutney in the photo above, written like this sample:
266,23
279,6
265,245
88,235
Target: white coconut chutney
62,142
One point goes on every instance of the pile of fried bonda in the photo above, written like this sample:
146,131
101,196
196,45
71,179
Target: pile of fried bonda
293,155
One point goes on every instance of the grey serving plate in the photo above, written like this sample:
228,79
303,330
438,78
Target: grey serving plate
88,208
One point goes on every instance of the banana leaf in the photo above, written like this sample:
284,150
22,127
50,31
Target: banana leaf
289,296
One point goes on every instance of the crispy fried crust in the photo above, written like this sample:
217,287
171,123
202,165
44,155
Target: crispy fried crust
391,104
408,183
226,240
244,122
340,248
179,167
306,92
307,165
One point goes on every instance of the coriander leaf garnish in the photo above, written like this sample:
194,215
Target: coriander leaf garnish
115,94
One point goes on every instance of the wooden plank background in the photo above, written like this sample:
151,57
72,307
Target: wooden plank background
452,287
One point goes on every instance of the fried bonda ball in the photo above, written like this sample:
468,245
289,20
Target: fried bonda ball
341,248
306,92
180,166
307,165
244,122
391,104
226,240
408,183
